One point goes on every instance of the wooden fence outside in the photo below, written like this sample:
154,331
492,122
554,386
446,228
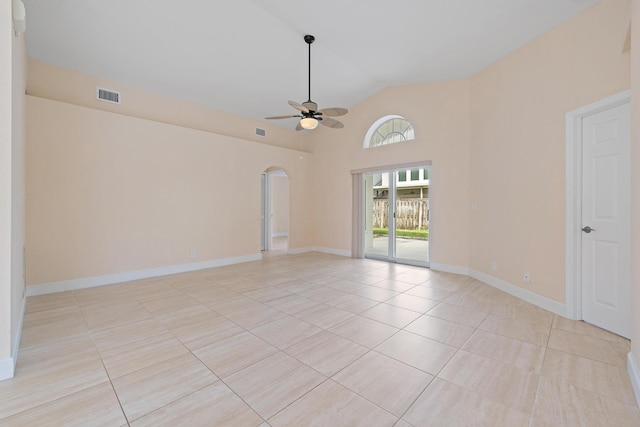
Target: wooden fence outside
411,214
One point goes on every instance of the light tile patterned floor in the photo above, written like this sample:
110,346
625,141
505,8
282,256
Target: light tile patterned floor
311,339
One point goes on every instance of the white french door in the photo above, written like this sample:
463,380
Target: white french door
606,216
396,211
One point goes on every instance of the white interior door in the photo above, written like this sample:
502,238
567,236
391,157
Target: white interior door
606,212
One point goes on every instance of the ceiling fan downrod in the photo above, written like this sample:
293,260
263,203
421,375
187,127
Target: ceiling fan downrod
309,39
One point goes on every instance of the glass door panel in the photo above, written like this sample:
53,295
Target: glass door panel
412,216
376,211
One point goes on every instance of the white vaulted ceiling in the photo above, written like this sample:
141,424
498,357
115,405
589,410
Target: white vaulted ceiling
248,57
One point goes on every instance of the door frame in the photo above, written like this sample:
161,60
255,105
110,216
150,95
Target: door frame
359,218
265,212
573,198
266,207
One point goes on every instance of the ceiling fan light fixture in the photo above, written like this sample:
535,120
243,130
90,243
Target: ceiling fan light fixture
309,123
310,115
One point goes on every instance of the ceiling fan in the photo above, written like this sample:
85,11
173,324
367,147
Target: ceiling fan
309,115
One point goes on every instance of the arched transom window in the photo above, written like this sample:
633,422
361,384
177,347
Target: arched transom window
389,130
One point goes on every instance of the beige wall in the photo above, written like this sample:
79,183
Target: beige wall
518,108
52,82
439,113
12,84
109,193
635,183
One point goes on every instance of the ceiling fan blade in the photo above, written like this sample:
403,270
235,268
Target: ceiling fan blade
332,123
299,127
333,112
299,107
282,117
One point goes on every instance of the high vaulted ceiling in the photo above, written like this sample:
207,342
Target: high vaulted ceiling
248,57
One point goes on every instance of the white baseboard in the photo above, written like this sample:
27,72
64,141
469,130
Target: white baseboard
8,364
89,282
7,368
455,269
339,252
634,375
528,296
281,234
297,251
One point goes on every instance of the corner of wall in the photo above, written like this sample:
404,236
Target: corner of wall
332,251
447,268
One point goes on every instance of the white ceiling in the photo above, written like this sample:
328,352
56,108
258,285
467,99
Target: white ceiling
248,57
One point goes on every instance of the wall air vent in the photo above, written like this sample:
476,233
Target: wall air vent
107,95
261,132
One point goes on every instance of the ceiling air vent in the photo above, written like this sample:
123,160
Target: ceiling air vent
108,95
261,132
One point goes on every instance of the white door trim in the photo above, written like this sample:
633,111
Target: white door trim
263,211
573,198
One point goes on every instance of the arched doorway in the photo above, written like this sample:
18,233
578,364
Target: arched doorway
274,212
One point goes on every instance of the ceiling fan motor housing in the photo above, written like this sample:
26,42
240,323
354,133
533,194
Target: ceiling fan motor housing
311,106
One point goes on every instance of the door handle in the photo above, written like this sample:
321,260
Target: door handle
588,229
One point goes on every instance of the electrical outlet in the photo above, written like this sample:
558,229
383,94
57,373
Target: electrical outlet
192,253
527,277
494,266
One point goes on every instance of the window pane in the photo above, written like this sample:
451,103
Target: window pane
409,135
386,128
376,140
426,173
392,131
415,174
402,176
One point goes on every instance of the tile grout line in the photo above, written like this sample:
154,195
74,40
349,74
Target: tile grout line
546,352
369,350
91,334
226,385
